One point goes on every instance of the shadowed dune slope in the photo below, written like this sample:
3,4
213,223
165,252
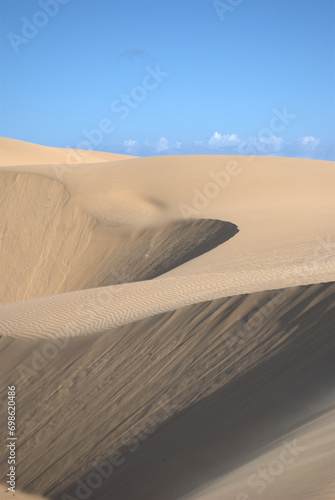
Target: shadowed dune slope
51,245
146,254
299,466
234,375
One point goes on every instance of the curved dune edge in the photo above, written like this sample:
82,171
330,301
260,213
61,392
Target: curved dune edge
152,252
61,248
234,375
283,208
93,311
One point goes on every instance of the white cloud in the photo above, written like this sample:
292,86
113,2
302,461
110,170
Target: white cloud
309,141
305,147
253,145
218,143
218,140
261,145
270,144
130,145
162,144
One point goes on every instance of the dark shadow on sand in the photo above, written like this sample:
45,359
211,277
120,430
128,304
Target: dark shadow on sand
230,427
157,250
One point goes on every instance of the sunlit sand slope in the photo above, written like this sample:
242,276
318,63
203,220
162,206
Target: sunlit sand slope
97,310
65,230
14,152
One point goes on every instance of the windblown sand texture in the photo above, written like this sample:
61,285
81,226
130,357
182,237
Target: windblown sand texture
175,312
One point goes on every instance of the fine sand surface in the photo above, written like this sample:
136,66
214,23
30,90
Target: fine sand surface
220,389
173,315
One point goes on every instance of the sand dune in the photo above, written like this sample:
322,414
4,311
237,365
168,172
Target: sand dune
234,375
182,306
97,310
87,216
300,466
64,249
15,152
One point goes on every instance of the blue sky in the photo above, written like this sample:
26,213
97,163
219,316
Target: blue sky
170,77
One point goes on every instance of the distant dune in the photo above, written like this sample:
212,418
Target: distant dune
15,152
179,305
